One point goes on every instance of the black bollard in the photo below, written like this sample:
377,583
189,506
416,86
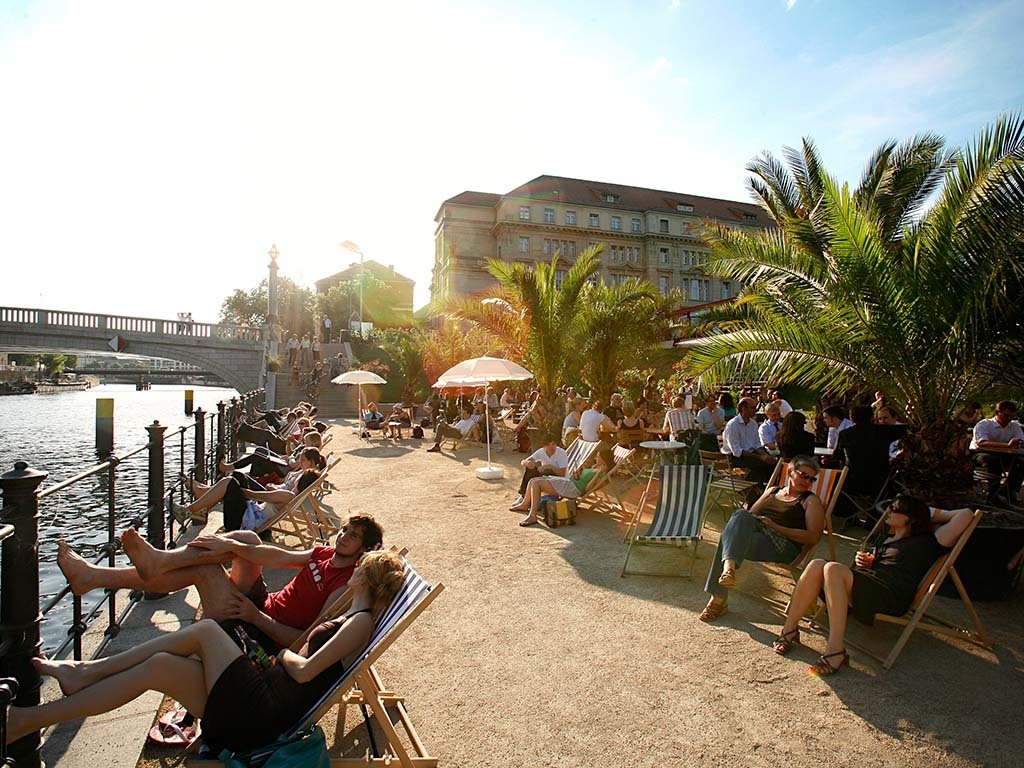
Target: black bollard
104,426
155,530
199,460
19,597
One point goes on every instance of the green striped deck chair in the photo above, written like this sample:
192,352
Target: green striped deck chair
679,516
579,454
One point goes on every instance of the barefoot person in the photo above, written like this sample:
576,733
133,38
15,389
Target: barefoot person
274,620
243,705
883,580
585,481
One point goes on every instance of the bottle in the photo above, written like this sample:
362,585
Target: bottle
254,651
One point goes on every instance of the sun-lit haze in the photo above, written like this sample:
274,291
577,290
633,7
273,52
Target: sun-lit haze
153,152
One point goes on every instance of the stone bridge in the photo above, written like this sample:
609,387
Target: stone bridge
233,353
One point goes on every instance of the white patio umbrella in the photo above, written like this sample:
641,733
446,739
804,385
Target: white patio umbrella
474,373
358,378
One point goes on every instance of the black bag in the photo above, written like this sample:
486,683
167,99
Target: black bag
425,422
417,432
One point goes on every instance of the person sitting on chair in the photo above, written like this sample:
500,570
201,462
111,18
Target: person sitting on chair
372,418
460,431
679,422
883,579
793,439
774,530
585,481
398,418
742,442
1000,433
243,704
548,460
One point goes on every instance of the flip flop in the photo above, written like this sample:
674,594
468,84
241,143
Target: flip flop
528,523
172,735
179,715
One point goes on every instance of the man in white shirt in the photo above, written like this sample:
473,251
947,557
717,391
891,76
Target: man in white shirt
743,443
770,426
549,459
836,422
784,406
506,398
460,430
591,422
1001,434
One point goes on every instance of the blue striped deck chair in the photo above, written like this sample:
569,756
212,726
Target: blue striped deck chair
361,685
579,454
679,516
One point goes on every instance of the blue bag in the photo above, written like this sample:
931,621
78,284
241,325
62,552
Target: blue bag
306,749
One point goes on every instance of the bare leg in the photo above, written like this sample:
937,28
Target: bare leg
211,496
535,490
805,594
838,587
158,664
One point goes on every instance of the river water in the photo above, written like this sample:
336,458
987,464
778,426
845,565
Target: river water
56,434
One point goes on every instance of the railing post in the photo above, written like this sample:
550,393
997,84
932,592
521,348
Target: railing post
19,601
155,533
222,443
199,461
235,413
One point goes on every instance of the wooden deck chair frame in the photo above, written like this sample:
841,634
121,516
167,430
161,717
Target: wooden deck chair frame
579,453
362,685
607,492
918,617
303,516
690,483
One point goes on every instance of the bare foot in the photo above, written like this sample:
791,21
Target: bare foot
70,675
142,554
81,575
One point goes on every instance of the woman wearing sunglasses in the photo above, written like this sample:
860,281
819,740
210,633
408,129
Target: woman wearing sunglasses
774,530
883,579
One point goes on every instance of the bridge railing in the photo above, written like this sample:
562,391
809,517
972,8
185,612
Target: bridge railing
22,497
52,318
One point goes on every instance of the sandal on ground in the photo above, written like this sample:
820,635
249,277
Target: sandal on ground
527,523
173,735
728,578
784,643
824,667
179,716
713,610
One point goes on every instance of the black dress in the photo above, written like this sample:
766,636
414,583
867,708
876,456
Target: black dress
890,584
249,706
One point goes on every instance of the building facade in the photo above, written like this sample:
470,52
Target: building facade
648,234
387,299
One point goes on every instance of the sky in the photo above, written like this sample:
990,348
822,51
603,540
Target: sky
152,152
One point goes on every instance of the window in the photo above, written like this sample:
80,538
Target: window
699,290
524,213
616,222
547,246
570,217
524,245
686,258
572,248
750,217
726,289
559,277
662,225
663,284
595,220
610,198
684,207
663,255
549,215
635,225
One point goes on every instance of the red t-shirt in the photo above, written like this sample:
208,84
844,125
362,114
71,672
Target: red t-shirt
302,599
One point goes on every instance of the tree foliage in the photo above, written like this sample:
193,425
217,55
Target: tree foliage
295,305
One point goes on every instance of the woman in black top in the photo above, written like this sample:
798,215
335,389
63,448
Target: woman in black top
883,580
793,439
242,704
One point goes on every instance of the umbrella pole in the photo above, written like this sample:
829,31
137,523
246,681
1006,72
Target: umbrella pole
359,398
487,428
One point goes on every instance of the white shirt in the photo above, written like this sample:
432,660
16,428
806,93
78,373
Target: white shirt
767,432
559,459
677,419
506,399
571,420
590,420
784,407
465,425
989,429
739,437
833,432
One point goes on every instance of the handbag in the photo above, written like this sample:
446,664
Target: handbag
253,516
306,749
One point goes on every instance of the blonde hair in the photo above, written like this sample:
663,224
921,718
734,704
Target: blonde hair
385,573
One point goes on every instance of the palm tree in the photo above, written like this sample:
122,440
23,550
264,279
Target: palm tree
538,320
405,347
879,286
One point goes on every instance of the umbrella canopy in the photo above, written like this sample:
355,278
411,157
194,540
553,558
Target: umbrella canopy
484,369
459,383
358,377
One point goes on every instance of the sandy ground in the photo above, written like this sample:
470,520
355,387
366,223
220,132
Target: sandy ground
538,653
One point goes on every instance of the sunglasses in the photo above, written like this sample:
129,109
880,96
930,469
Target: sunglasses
805,476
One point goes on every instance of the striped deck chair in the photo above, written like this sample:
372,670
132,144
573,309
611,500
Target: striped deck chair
361,684
579,454
303,516
918,617
679,516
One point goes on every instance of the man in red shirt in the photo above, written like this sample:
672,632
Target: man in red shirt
275,619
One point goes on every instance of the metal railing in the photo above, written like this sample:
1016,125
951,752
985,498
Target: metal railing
20,614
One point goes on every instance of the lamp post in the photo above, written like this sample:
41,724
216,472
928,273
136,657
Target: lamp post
348,245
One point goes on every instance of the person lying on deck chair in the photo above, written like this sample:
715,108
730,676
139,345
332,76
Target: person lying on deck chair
462,430
586,480
243,704
883,579
275,620
264,465
238,489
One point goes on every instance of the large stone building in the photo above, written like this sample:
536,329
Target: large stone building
648,234
387,298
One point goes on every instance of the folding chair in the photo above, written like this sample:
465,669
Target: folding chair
579,453
727,482
827,487
601,494
361,684
303,516
679,516
916,617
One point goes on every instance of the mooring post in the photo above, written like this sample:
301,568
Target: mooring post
199,458
155,529
19,597
104,426
189,397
